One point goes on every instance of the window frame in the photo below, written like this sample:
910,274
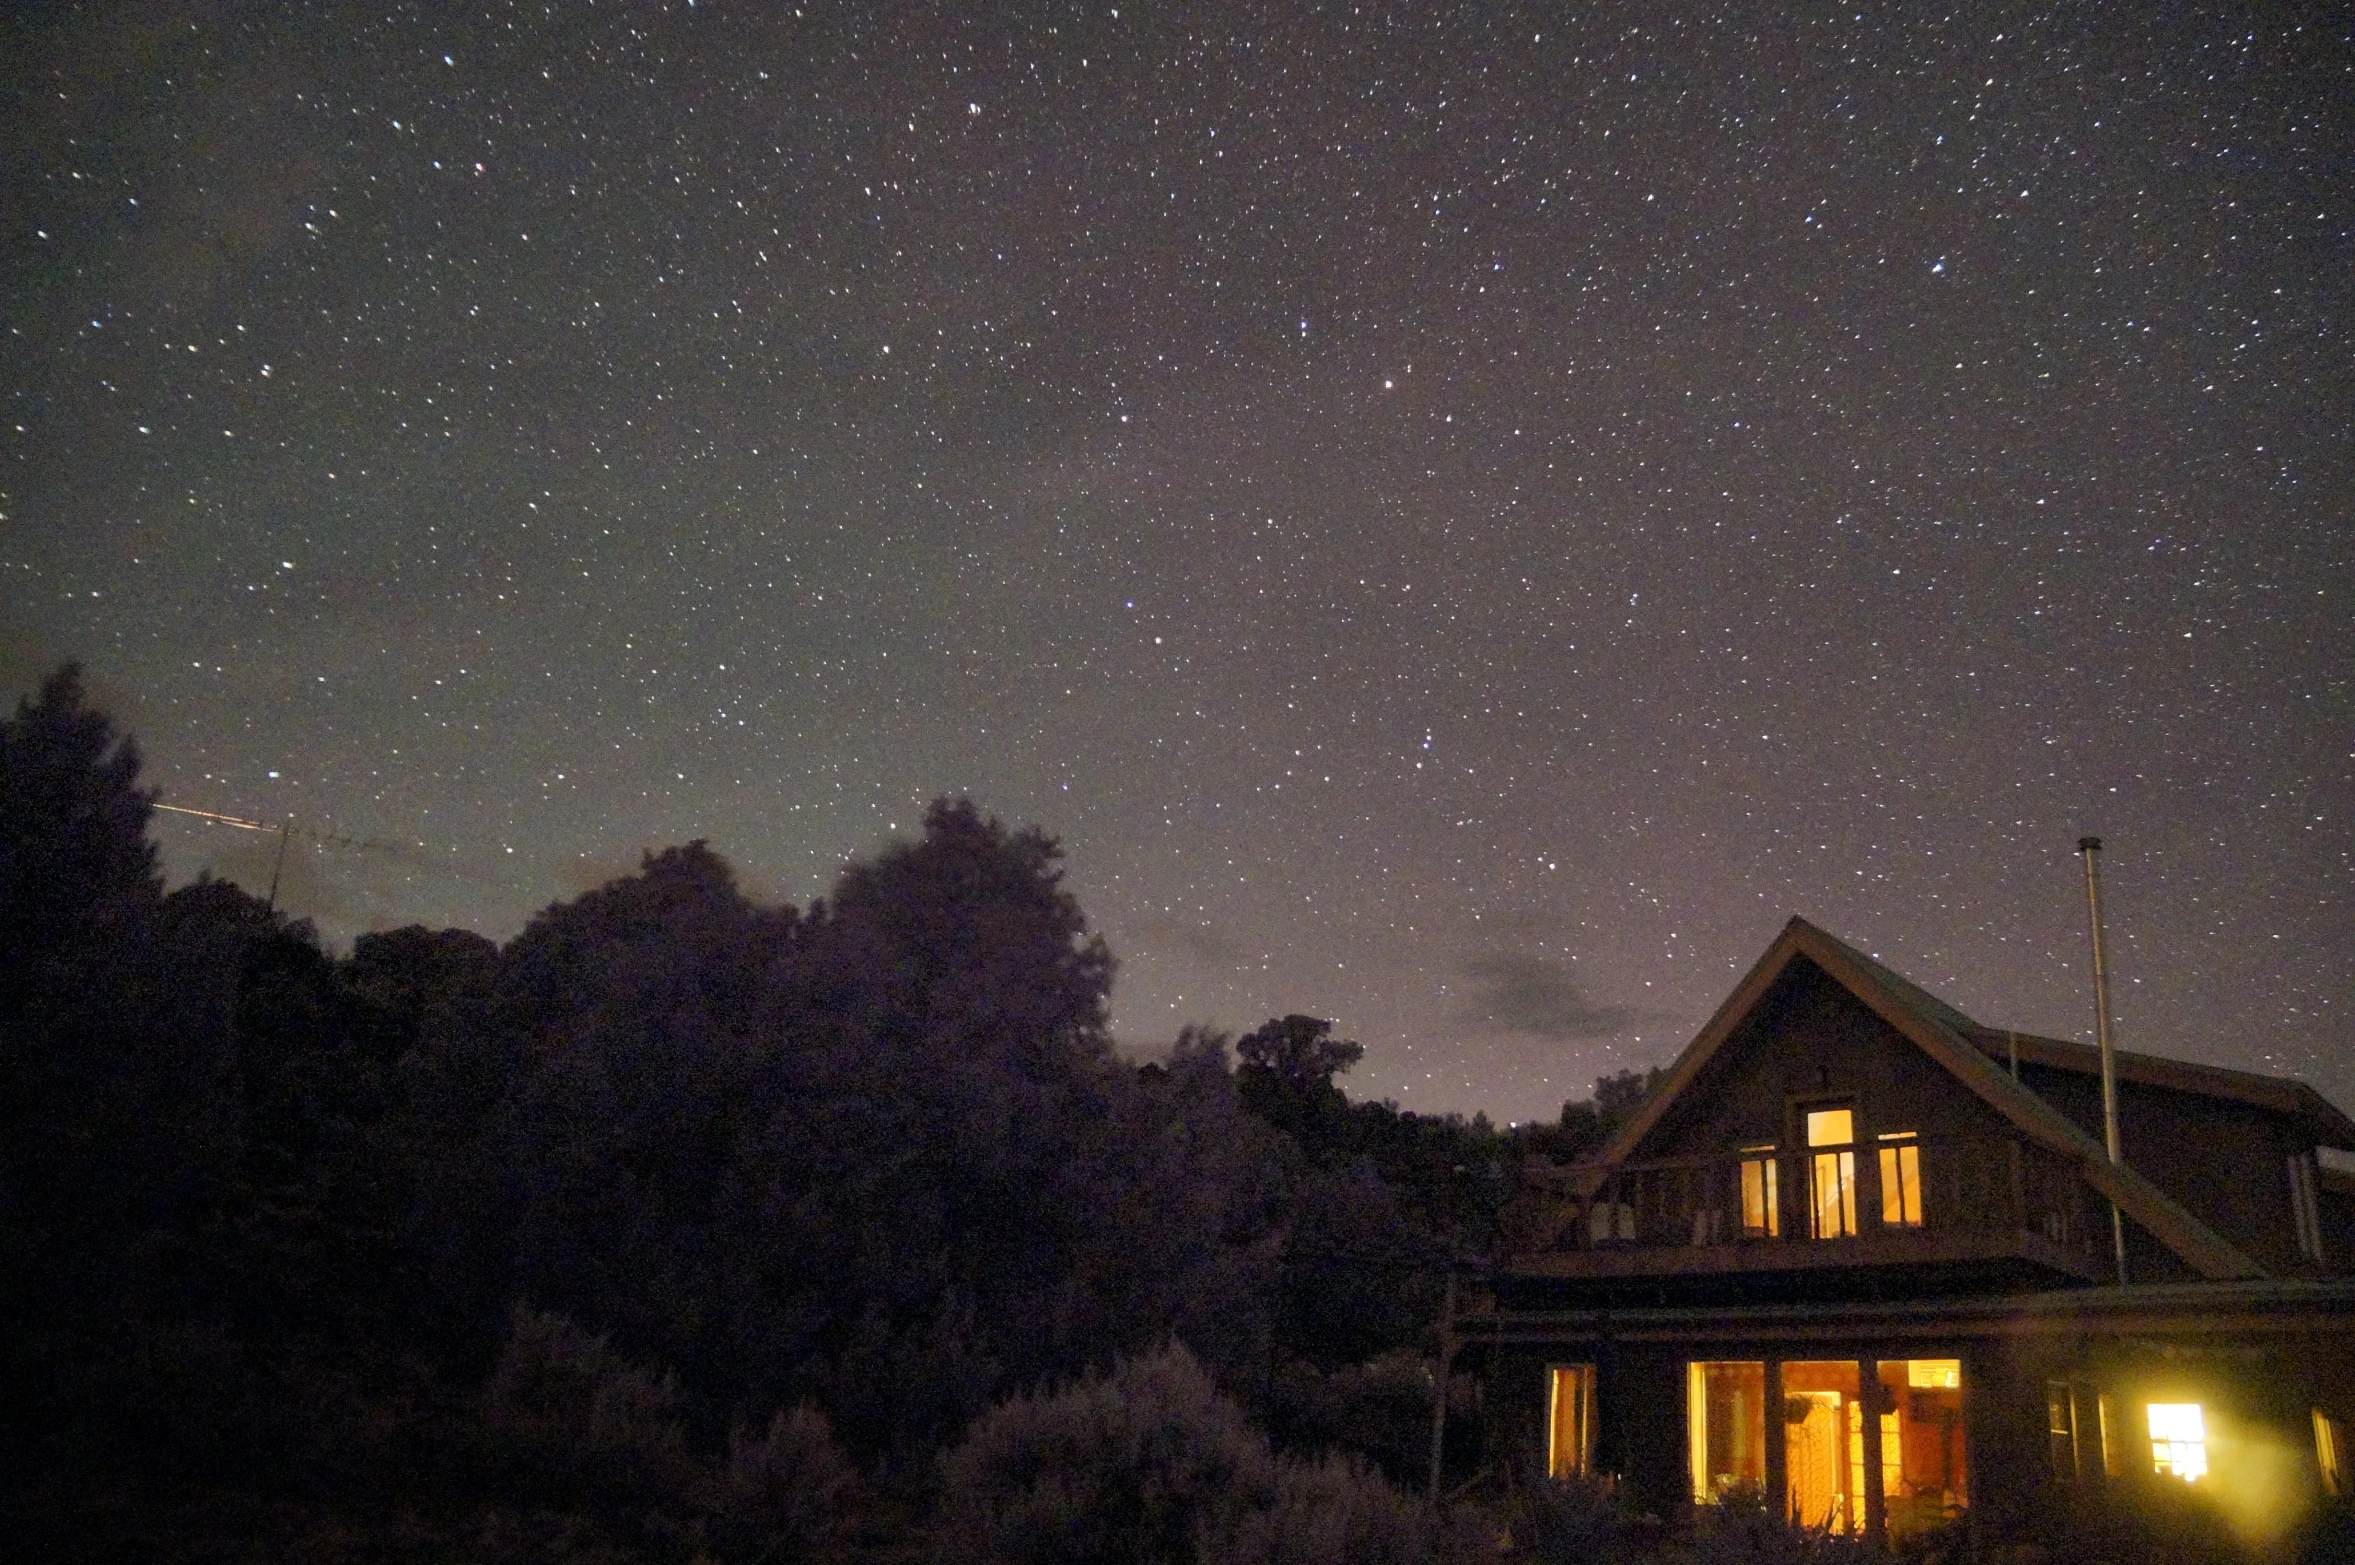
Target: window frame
1578,1460
1759,1178
1901,1178
1831,1170
2060,1426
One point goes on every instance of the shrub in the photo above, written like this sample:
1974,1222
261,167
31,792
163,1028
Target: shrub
582,1418
1380,1409
778,1494
1146,1465
1335,1511
1150,1465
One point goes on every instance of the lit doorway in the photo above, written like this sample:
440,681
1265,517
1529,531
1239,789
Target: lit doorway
1821,1456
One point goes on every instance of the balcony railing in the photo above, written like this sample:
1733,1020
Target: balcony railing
1950,1185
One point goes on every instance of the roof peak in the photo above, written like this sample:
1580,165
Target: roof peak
1946,1035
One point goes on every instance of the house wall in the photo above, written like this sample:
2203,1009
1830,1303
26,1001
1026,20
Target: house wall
1640,1422
2257,1395
2225,1162
2004,1420
2257,1390
1810,1038
2338,1230
1655,1465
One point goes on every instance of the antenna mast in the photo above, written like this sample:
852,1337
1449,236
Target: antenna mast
2091,847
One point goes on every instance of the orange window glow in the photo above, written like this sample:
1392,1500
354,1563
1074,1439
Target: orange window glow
2179,1439
1832,1174
1901,1181
1762,1217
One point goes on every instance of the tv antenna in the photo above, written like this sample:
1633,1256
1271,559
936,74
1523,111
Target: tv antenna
286,831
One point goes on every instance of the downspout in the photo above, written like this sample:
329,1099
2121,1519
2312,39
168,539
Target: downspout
2091,847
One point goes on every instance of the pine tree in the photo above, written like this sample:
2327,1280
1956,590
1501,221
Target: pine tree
76,867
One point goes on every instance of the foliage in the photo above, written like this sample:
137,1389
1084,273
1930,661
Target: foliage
1584,1521
1334,1510
780,1495
679,1227
1151,1464
1145,1465
1379,1410
1287,1071
575,1414
75,863
1588,1123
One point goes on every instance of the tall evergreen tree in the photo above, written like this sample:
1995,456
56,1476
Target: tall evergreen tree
75,863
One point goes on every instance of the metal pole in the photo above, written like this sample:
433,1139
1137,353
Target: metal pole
279,868
2091,847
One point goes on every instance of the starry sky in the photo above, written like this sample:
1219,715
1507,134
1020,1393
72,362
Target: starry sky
1461,518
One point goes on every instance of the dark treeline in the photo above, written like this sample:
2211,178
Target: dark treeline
681,1227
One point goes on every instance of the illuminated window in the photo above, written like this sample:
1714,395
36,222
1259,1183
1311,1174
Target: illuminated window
1832,1174
2179,1439
1892,1457
2330,1451
1725,1422
1934,1478
1762,1216
1901,1181
2060,1422
1934,1374
1570,1421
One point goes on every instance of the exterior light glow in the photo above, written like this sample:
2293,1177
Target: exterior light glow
2179,1439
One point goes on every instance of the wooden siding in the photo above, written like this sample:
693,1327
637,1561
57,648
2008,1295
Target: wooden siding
2225,1162
1811,1041
2258,1357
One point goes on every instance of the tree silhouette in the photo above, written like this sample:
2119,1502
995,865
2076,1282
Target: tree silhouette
446,1228
76,867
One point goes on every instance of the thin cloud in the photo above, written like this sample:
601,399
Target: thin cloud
1523,993
1205,943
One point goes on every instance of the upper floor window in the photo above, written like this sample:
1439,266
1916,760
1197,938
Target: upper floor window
1762,1216
1831,1160
1901,1180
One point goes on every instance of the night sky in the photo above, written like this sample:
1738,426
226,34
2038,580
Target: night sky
1461,519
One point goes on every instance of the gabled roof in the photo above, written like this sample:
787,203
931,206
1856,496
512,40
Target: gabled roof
2280,1094
1949,1038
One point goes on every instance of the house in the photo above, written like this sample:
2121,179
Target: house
1861,1255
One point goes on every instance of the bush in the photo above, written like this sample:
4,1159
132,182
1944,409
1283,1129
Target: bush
1380,1410
1150,1465
778,1495
1336,1511
1748,1532
1146,1465
580,1417
1582,1521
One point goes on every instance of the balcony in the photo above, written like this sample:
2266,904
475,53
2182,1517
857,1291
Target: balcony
1996,1206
